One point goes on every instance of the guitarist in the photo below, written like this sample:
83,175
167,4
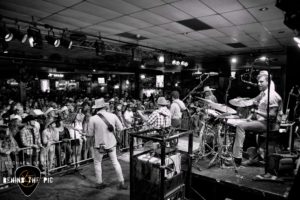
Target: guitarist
258,121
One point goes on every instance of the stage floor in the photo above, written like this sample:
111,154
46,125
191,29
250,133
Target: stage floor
211,183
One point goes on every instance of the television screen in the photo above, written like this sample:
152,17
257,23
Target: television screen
159,81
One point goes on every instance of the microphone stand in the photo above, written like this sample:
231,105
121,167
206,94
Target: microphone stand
75,170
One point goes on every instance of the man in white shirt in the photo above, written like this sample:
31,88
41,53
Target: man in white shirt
105,141
258,122
176,109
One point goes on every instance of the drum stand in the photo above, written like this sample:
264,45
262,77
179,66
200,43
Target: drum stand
223,154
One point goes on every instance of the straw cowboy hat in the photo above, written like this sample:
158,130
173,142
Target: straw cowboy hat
207,88
100,103
162,101
50,110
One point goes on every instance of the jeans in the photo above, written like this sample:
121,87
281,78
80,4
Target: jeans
257,126
98,168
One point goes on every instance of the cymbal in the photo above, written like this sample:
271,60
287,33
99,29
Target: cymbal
223,108
227,116
205,100
241,102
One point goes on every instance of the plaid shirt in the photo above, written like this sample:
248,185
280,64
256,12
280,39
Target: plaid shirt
160,118
29,137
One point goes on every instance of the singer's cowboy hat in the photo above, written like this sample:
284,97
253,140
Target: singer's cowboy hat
162,101
100,103
207,88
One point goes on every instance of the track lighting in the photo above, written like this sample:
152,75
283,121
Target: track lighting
18,34
34,37
51,39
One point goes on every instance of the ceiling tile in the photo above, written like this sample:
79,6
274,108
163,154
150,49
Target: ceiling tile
16,14
230,31
196,35
226,39
130,21
158,30
38,5
145,3
151,17
96,10
179,37
212,33
251,28
60,24
216,21
274,25
223,5
117,5
116,25
105,30
83,16
282,33
26,10
194,8
271,14
239,17
176,27
68,20
170,12
254,3
65,3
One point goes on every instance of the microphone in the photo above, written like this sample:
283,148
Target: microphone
250,83
212,73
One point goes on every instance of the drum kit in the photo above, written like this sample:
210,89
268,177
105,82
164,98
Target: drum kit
217,123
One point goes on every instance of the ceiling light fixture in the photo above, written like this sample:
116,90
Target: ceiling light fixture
5,33
297,39
233,60
263,9
34,37
161,59
18,34
51,39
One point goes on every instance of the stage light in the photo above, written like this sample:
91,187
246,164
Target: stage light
182,63
233,60
34,37
186,64
297,39
142,76
66,43
263,58
18,34
51,39
161,59
177,63
5,33
173,62
4,46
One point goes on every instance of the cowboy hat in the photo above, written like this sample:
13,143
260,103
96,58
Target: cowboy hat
100,103
49,122
64,108
50,110
28,118
207,88
162,101
37,112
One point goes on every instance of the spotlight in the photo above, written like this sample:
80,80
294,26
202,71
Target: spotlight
233,60
297,39
161,59
182,63
5,33
4,46
34,37
186,64
66,43
18,34
177,63
51,39
263,58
